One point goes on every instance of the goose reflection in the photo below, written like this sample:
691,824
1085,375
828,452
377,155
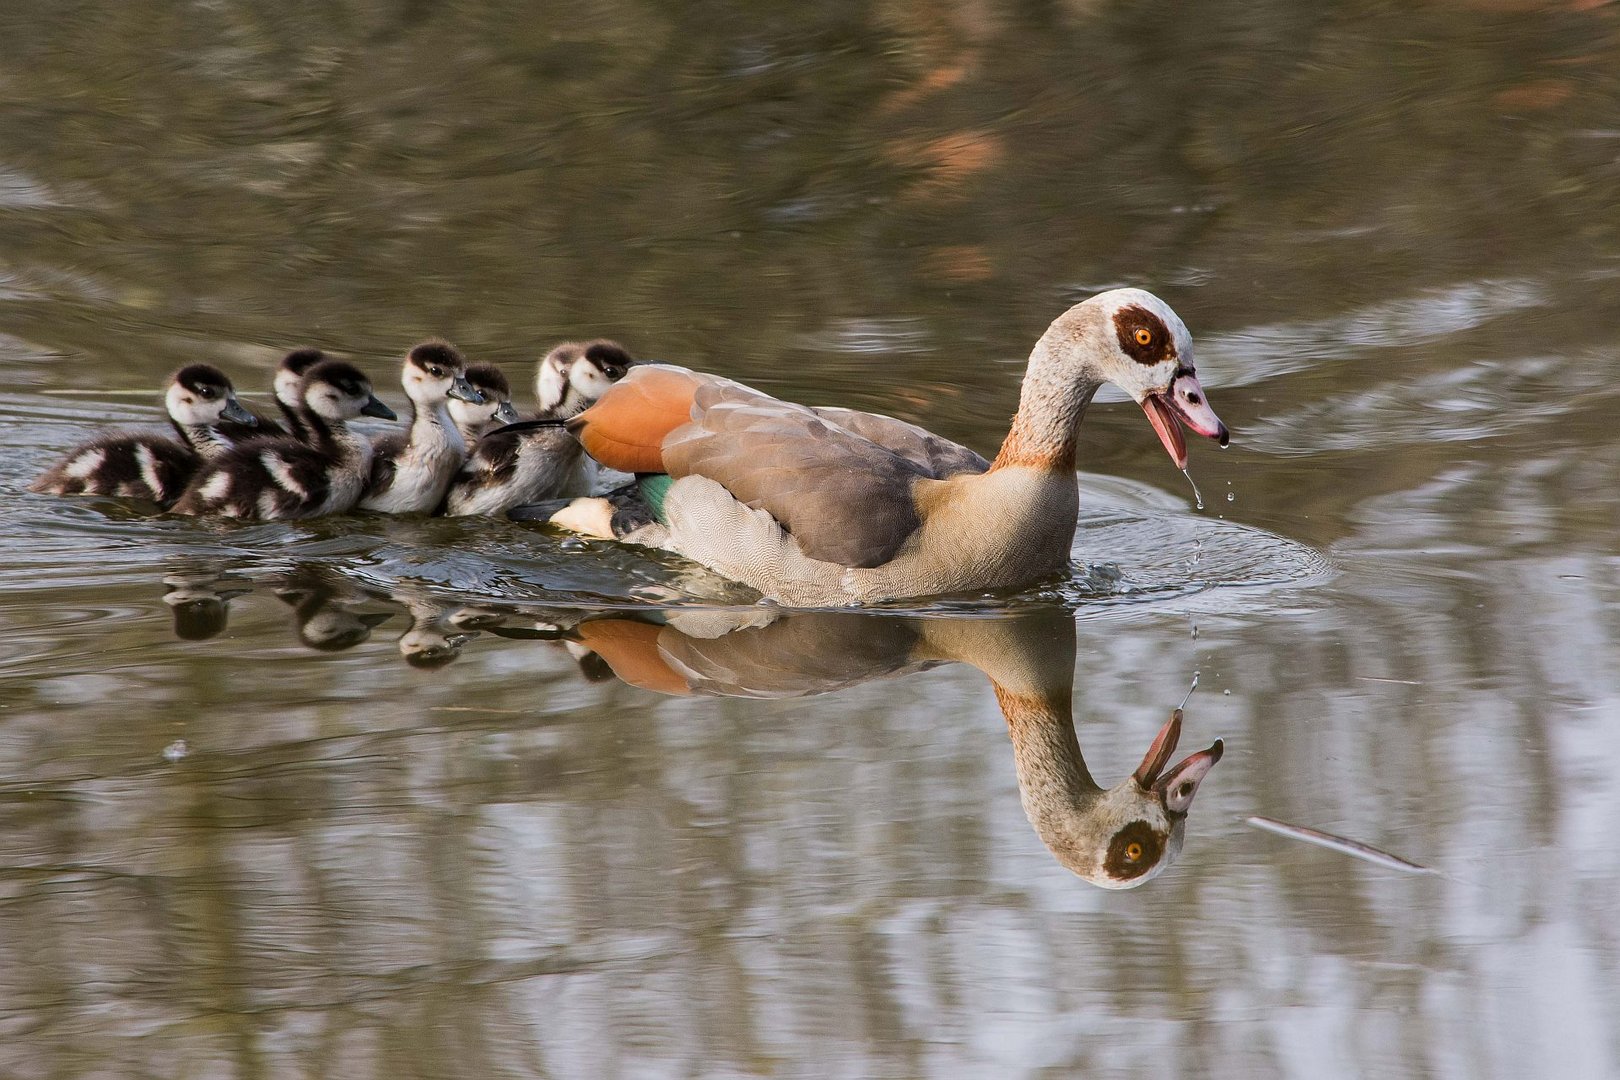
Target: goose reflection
514,626
1116,837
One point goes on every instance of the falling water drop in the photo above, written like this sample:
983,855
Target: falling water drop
1190,690
176,751
1198,497
1231,497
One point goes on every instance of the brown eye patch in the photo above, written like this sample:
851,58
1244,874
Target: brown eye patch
1133,851
1143,335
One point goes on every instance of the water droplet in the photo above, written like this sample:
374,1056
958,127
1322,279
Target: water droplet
1231,497
1226,693
1190,690
1195,638
1198,498
176,750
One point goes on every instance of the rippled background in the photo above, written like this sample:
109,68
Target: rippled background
240,836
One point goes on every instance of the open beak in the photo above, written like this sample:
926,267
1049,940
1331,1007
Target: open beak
1183,404
234,412
1177,787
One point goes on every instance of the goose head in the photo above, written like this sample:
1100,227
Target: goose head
436,372
496,408
336,390
201,396
1132,339
574,374
290,374
1123,836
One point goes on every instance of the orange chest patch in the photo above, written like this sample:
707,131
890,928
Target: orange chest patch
625,430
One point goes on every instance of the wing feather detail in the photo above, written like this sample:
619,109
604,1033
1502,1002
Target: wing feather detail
840,481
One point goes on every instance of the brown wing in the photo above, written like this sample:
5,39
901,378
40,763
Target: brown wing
940,457
845,499
839,480
797,656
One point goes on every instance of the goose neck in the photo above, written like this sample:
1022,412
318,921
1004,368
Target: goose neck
1050,406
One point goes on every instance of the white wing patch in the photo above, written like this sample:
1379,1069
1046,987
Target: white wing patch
149,472
282,474
215,488
82,466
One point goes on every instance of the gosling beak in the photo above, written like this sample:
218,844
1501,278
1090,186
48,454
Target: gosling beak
1183,403
462,390
1177,787
378,409
507,413
234,412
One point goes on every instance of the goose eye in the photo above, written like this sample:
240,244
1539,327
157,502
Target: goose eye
1144,336
1133,850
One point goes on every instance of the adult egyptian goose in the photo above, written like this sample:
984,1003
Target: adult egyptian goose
283,479
410,472
206,416
828,507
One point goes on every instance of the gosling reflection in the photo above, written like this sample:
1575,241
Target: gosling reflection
327,616
433,638
324,610
199,597
1116,837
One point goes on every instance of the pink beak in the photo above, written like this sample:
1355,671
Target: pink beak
1177,787
1184,404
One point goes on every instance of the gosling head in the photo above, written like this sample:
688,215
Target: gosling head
336,390
574,374
436,372
200,395
290,374
494,411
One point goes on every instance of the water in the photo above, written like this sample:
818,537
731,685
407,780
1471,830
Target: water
1198,498
354,798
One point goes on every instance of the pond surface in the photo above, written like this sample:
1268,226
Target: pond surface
372,797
